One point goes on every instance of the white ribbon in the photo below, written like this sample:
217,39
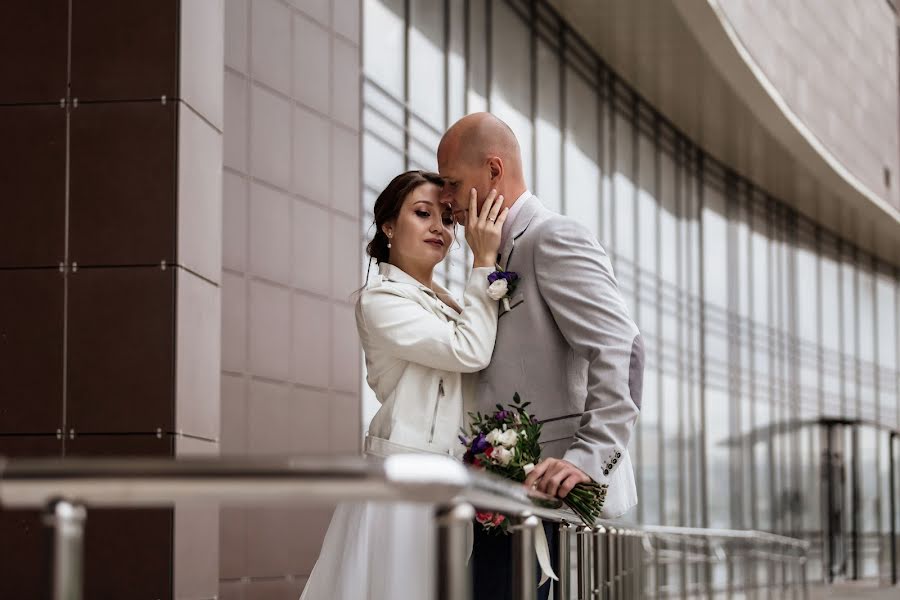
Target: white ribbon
542,550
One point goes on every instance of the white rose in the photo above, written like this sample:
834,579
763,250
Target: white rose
498,289
509,438
493,437
502,456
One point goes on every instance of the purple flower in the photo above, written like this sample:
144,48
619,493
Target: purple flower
494,276
502,415
480,444
509,276
463,440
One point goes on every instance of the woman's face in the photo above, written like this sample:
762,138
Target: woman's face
423,231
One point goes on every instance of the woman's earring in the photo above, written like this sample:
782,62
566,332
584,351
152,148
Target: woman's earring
389,240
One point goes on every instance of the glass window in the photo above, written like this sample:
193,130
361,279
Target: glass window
581,159
511,85
548,137
478,83
383,45
426,61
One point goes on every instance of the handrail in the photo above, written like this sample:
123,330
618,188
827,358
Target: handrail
611,554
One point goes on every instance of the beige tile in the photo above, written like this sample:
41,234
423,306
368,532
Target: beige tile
270,44
312,341
269,333
272,590
198,348
312,153
267,542
235,132
188,446
232,590
311,245
234,416
236,34
319,10
345,350
232,543
308,529
270,234
234,222
346,256
202,50
345,20
345,190
268,423
270,137
312,60
311,421
345,423
234,323
196,552
345,86
199,195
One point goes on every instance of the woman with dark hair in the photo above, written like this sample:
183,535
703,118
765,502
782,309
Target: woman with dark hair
422,349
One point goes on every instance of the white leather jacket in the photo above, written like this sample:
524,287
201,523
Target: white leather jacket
421,357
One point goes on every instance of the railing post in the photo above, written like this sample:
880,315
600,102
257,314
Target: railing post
524,585
562,589
583,537
599,562
67,520
453,581
612,561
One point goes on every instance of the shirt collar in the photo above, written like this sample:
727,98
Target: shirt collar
511,216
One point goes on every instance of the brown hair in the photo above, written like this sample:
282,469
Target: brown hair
388,205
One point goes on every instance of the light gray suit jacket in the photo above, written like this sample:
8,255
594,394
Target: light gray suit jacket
568,346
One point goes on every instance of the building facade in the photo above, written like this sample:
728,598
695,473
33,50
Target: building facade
185,220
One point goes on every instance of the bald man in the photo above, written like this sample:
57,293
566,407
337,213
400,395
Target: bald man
565,343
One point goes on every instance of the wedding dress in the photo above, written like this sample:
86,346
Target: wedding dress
421,360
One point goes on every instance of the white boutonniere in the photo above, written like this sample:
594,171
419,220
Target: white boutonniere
502,285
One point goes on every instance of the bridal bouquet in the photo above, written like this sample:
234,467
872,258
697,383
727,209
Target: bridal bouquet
507,443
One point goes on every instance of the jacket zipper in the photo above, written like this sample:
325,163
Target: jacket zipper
437,403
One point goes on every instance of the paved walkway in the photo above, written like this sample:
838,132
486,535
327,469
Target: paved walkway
864,590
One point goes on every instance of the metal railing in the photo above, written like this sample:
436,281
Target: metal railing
611,560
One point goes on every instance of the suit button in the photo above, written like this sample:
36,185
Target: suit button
606,472
618,455
614,461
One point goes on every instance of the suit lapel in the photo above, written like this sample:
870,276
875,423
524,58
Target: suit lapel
523,220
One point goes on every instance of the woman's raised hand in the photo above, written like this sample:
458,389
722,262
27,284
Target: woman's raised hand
483,230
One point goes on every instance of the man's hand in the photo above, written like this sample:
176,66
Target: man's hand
555,477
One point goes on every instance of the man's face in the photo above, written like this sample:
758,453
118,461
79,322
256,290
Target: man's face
459,178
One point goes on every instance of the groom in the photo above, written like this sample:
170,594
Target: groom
566,342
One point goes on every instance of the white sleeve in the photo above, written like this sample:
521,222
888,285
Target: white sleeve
409,332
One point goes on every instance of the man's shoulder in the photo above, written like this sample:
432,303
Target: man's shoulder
551,226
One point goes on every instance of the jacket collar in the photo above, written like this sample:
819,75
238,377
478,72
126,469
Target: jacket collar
395,274
526,214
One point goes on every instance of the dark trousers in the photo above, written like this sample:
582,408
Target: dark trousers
492,564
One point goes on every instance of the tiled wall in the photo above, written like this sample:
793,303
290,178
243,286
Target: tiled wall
110,262
290,354
835,64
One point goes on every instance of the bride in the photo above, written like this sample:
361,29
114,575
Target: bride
420,346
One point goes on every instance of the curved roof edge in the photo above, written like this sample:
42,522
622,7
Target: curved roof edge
715,33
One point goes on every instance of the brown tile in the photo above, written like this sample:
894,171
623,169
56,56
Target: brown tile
120,446
124,50
25,547
123,182
33,155
128,552
33,46
121,350
31,351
